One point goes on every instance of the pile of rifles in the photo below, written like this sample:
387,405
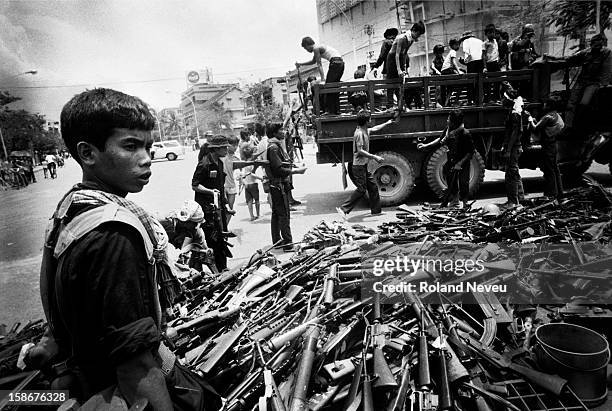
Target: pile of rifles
307,333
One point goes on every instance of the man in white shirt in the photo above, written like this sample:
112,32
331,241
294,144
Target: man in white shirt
472,49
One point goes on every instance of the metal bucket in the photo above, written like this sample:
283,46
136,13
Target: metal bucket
579,355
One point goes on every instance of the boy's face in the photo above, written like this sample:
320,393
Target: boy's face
491,35
125,164
309,48
232,149
415,34
455,47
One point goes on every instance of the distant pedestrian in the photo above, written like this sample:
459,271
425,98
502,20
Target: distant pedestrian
250,179
230,178
330,103
51,165
550,127
363,179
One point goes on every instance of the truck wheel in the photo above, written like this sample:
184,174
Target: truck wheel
171,156
394,177
434,173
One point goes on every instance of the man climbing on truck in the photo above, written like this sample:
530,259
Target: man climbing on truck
330,102
397,59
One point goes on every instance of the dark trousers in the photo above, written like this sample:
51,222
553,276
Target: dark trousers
331,102
514,184
446,91
392,74
460,185
474,66
364,180
280,221
492,89
52,170
553,186
214,238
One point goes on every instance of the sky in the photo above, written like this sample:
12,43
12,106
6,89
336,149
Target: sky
144,48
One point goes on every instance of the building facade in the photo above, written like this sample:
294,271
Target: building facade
355,27
201,97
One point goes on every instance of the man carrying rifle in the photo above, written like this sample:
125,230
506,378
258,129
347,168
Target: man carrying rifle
208,182
102,279
460,146
278,172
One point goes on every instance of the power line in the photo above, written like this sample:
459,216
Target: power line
97,83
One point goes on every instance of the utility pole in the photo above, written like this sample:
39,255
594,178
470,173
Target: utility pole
598,15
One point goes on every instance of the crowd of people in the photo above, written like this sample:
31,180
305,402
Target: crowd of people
20,171
492,54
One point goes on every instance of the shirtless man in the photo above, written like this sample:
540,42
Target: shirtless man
330,103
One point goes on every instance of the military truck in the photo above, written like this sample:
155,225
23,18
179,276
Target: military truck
405,166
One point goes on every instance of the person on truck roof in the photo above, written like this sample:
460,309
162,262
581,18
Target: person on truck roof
596,62
460,146
330,103
397,59
472,50
450,66
490,56
362,177
389,35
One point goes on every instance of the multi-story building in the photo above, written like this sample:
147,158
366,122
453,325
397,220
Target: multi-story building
355,27
202,96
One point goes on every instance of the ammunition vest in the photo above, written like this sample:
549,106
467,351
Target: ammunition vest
60,235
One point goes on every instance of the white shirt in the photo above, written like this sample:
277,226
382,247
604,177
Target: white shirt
50,158
472,47
447,60
492,50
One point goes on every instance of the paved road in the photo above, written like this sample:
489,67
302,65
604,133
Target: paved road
24,215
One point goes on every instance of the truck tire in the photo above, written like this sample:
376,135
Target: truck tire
434,174
394,177
171,156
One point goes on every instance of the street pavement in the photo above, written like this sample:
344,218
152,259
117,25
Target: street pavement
25,212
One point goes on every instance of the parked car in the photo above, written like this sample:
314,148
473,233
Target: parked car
170,149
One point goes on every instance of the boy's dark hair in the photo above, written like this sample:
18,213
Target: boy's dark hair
505,35
272,128
232,140
490,28
456,117
311,78
244,135
93,115
359,73
307,41
453,42
419,27
363,117
260,129
438,49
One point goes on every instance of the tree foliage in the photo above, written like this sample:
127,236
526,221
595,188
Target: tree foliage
23,130
216,118
572,18
263,104
171,124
